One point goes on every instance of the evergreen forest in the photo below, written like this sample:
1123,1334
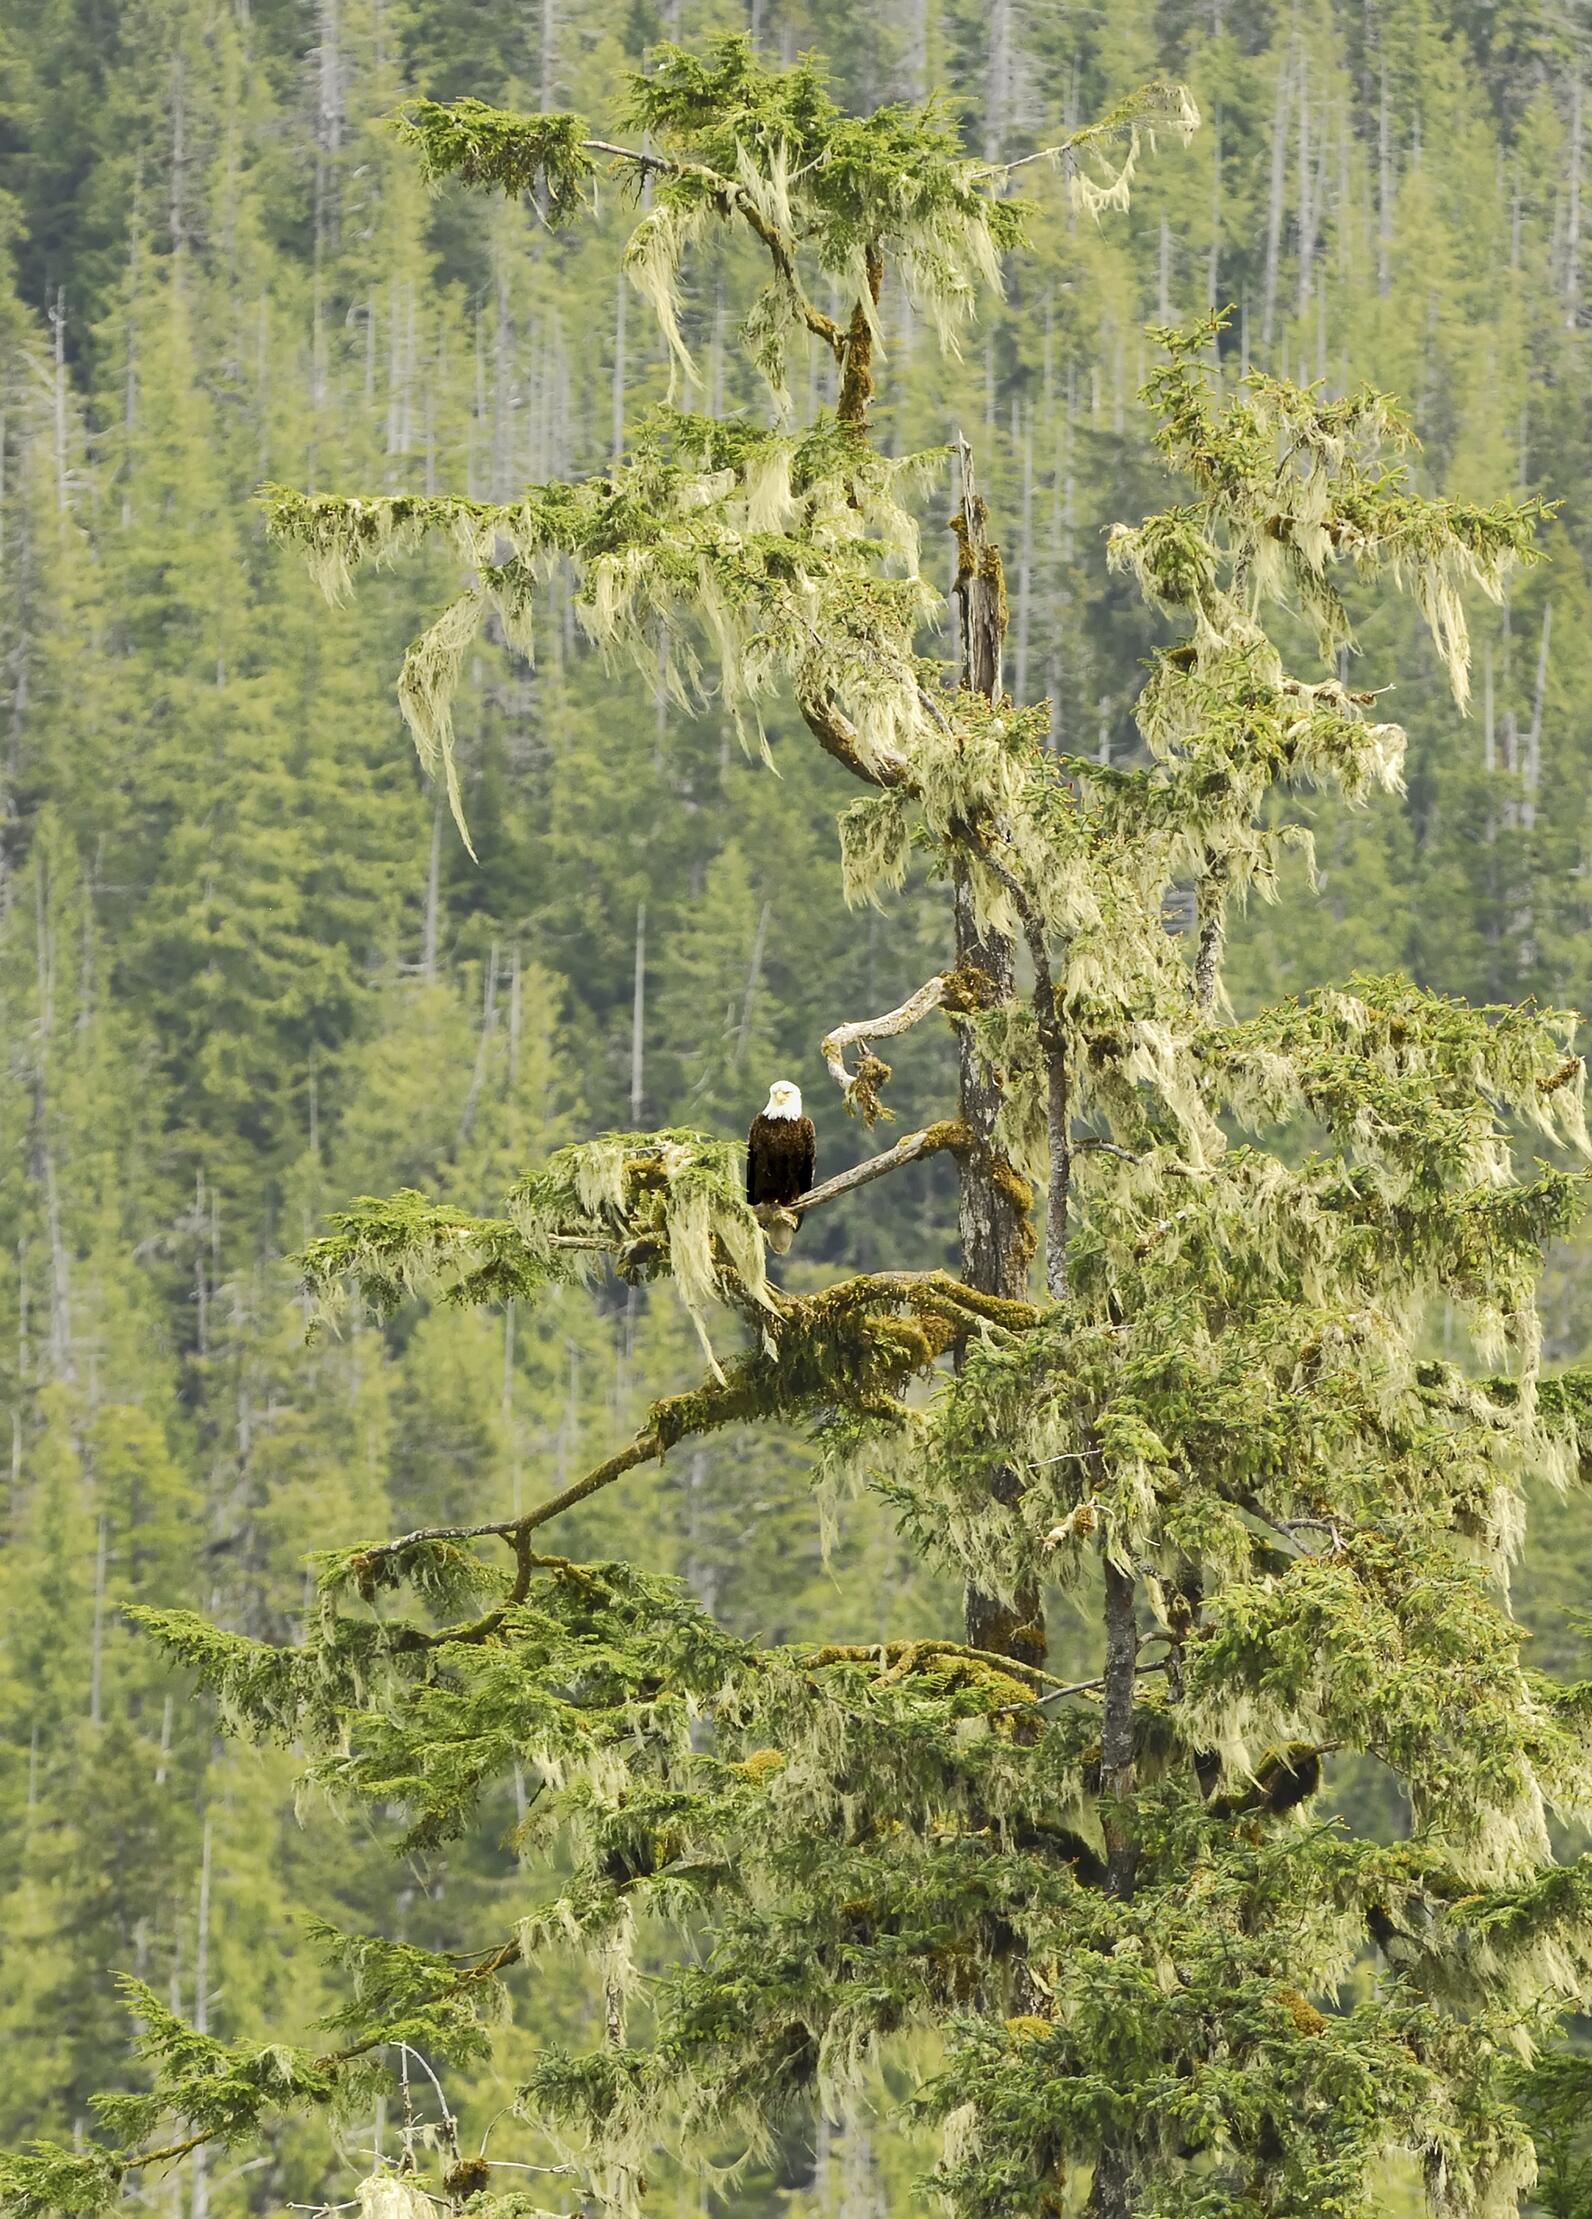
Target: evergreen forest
274,284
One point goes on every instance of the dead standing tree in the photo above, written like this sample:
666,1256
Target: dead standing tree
1105,1898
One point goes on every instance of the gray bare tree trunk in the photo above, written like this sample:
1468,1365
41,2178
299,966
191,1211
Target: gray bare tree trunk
1572,227
638,1020
1274,196
1384,186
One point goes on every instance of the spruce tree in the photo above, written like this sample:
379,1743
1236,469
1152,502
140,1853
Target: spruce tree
1120,1905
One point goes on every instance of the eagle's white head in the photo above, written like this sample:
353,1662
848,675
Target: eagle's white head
784,1100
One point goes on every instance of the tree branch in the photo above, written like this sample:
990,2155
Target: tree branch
493,1962
855,1087
735,195
674,1418
1091,1144
647,163
950,1133
645,1448
935,1290
1156,105
1082,1687
900,1656
837,736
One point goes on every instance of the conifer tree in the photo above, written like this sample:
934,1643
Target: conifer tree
1117,1903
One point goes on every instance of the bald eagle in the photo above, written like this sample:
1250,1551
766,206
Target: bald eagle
781,1157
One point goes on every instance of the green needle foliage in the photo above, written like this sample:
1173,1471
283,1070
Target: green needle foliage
1158,1979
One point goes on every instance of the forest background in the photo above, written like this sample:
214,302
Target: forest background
247,970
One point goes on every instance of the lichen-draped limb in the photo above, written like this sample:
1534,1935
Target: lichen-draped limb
392,1247
899,1657
837,736
1157,106
851,1348
773,557
515,153
663,1204
1297,485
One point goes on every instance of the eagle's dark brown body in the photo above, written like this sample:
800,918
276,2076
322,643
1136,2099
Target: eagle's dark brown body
781,1157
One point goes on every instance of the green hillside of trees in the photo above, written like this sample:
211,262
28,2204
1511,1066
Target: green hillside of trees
248,970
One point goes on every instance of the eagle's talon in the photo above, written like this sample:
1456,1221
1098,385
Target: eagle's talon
779,1226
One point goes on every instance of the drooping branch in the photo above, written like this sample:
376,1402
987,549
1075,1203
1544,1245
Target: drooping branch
485,1967
489,146
734,196
806,1336
1157,105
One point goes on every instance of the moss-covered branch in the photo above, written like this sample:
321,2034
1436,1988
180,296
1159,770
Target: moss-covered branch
850,1350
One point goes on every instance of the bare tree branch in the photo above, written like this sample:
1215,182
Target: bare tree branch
1084,1687
1090,1144
878,1028
950,1132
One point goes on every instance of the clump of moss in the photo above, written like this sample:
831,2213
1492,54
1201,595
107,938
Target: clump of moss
1303,2013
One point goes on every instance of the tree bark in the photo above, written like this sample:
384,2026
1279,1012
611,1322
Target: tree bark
993,1202
1112,2194
1274,197
638,1020
1116,1731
